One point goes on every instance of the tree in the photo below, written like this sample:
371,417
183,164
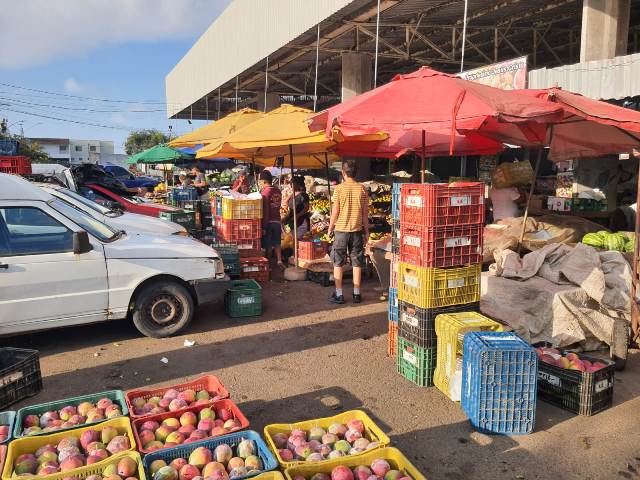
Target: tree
33,151
140,140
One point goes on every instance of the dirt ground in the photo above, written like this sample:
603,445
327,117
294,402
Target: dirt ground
305,359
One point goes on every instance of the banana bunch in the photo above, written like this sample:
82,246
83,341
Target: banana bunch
320,205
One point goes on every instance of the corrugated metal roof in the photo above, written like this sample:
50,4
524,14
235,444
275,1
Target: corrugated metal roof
615,78
245,33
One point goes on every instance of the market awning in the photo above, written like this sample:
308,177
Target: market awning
435,102
214,132
272,136
588,128
159,154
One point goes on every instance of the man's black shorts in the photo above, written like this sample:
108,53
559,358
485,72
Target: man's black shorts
351,243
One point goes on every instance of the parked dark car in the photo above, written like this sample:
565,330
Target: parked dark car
129,179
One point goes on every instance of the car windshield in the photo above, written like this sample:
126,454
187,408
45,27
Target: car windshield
90,224
62,193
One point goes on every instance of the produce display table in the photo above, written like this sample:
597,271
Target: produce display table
603,218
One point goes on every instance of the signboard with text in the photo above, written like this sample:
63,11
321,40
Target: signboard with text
509,75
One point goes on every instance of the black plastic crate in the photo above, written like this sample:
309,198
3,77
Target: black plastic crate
579,392
323,278
418,325
20,375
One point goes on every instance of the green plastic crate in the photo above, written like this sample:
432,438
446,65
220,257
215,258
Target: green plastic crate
185,218
243,298
415,363
117,396
230,258
7,418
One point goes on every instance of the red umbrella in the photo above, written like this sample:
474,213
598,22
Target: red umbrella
434,102
588,128
437,144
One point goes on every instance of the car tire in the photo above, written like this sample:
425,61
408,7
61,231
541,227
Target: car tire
162,309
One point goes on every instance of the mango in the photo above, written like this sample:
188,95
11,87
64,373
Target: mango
200,457
127,466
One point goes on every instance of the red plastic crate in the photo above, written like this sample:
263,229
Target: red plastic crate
450,246
210,383
233,231
308,250
19,165
440,204
249,248
256,268
159,417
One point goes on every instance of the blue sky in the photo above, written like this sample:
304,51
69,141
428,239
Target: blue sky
100,62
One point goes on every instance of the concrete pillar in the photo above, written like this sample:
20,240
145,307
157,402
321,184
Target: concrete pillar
605,29
273,101
357,74
357,78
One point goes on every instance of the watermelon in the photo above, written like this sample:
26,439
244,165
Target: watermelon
593,239
615,241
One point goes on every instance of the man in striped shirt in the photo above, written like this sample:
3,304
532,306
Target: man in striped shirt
349,225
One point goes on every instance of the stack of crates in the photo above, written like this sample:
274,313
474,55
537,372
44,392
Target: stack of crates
439,271
499,381
240,223
392,343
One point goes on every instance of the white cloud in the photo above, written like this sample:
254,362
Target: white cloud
37,32
71,86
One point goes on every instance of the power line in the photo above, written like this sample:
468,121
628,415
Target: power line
61,107
95,99
90,124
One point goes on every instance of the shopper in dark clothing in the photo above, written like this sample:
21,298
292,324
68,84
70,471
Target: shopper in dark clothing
271,225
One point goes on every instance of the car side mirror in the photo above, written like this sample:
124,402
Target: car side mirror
113,205
81,242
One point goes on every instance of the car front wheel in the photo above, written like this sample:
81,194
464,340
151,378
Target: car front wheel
162,309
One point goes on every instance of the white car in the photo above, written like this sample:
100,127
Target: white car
60,267
116,219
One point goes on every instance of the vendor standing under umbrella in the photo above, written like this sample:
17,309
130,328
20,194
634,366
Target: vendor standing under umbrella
302,203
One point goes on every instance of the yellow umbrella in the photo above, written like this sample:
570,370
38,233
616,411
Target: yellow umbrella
214,132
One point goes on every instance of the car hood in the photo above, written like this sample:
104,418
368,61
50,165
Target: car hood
134,223
143,246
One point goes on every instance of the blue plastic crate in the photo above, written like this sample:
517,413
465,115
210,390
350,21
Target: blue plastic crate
267,459
395,200
393,305
181,194
7,418
499,380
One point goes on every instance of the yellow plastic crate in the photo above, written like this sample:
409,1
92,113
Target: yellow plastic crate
438,287
233,209
31,444
450,330
96,469
275,475
392,455
371,431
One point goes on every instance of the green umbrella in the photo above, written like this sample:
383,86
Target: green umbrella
159,154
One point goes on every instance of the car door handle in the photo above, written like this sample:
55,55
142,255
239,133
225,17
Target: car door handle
4,265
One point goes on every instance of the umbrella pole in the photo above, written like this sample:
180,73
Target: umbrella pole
255,175
526,210
295,215
326,165
635,310
424,154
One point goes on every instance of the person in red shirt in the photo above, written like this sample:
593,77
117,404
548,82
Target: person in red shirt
241,185
271,225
